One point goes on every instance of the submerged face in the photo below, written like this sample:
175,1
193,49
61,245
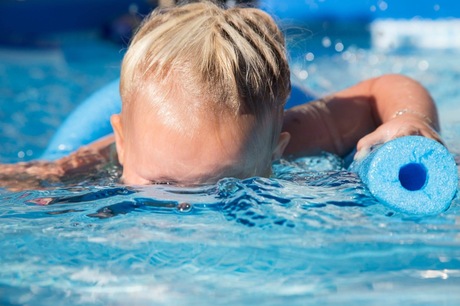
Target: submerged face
185,148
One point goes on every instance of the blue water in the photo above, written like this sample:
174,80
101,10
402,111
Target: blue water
317,237
312,234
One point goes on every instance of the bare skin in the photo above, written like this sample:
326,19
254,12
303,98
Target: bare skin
209,148
42,174
369,113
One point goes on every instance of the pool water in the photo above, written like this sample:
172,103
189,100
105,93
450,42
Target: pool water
312,234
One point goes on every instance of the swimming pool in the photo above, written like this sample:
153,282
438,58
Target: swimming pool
312,235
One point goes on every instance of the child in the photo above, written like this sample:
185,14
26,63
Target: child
203,91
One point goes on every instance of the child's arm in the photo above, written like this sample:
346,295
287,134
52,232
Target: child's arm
371,112
38,174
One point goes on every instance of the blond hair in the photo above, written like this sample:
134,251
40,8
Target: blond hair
234,58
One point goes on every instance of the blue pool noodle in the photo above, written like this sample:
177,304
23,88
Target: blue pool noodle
87,123
411,174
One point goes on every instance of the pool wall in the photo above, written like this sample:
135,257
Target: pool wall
24,21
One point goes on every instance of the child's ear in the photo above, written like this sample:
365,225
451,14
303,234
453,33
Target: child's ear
117,126
283,141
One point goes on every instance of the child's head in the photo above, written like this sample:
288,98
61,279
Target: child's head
203,91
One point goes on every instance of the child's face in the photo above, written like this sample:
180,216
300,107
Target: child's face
201,151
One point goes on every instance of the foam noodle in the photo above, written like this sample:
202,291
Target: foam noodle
411,174
87,123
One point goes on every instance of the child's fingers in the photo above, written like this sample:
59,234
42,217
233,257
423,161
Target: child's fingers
366,143
388,132
425,131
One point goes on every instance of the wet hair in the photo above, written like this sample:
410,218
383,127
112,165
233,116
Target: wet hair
234,58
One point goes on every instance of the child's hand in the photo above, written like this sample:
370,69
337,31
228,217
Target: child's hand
42,174
404,123
29,175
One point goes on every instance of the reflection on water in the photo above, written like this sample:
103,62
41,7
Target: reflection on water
310,232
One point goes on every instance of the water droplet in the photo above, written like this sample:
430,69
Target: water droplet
423,65
339,47
303,74
309,56
184,207
383,6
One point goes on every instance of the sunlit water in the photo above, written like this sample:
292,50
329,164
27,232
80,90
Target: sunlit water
312,234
